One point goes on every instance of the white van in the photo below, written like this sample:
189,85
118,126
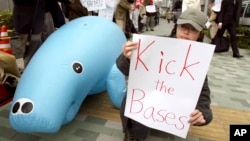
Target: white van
245,13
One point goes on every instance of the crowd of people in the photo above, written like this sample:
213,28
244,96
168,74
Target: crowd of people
223,19
35,20
133,17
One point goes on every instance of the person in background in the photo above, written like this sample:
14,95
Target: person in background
177,8
29,19
169,15
157,16
189,26
150,16
134,15
122,13
54,17
214,9
227,20
74,10
142,18
122,18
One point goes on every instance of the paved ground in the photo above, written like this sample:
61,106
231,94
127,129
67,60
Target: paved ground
98,120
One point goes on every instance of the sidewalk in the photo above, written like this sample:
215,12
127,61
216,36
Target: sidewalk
163,29
98,120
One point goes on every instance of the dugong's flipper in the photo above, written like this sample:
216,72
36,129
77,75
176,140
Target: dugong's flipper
116,86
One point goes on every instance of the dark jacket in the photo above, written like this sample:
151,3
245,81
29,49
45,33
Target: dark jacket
29,15
23,13
203,104
228,12
53,7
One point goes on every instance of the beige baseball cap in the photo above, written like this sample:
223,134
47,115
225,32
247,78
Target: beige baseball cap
194,17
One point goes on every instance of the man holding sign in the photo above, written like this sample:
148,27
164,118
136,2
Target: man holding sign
178,96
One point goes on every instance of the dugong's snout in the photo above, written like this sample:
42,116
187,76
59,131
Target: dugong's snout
22,106
23,116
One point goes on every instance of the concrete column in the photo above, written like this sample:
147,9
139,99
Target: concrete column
6,5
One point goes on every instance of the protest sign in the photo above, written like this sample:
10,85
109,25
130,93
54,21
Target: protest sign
107,13
165,80
93,5
150,8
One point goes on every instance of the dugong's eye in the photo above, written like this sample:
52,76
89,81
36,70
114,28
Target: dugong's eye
77,67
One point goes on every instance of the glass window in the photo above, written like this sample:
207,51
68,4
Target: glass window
242,9
247,13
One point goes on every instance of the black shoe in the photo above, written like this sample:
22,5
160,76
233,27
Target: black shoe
152,29
237,56
146,29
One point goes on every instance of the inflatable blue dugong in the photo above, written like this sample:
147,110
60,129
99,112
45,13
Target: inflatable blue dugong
76,60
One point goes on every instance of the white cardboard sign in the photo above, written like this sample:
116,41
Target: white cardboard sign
165,80
109,11
93,5
150,8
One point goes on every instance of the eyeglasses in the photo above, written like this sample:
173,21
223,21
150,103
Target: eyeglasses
187,27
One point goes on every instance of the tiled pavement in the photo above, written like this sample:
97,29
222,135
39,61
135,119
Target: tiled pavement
98,120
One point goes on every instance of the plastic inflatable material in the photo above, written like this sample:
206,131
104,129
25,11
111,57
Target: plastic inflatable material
75,61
